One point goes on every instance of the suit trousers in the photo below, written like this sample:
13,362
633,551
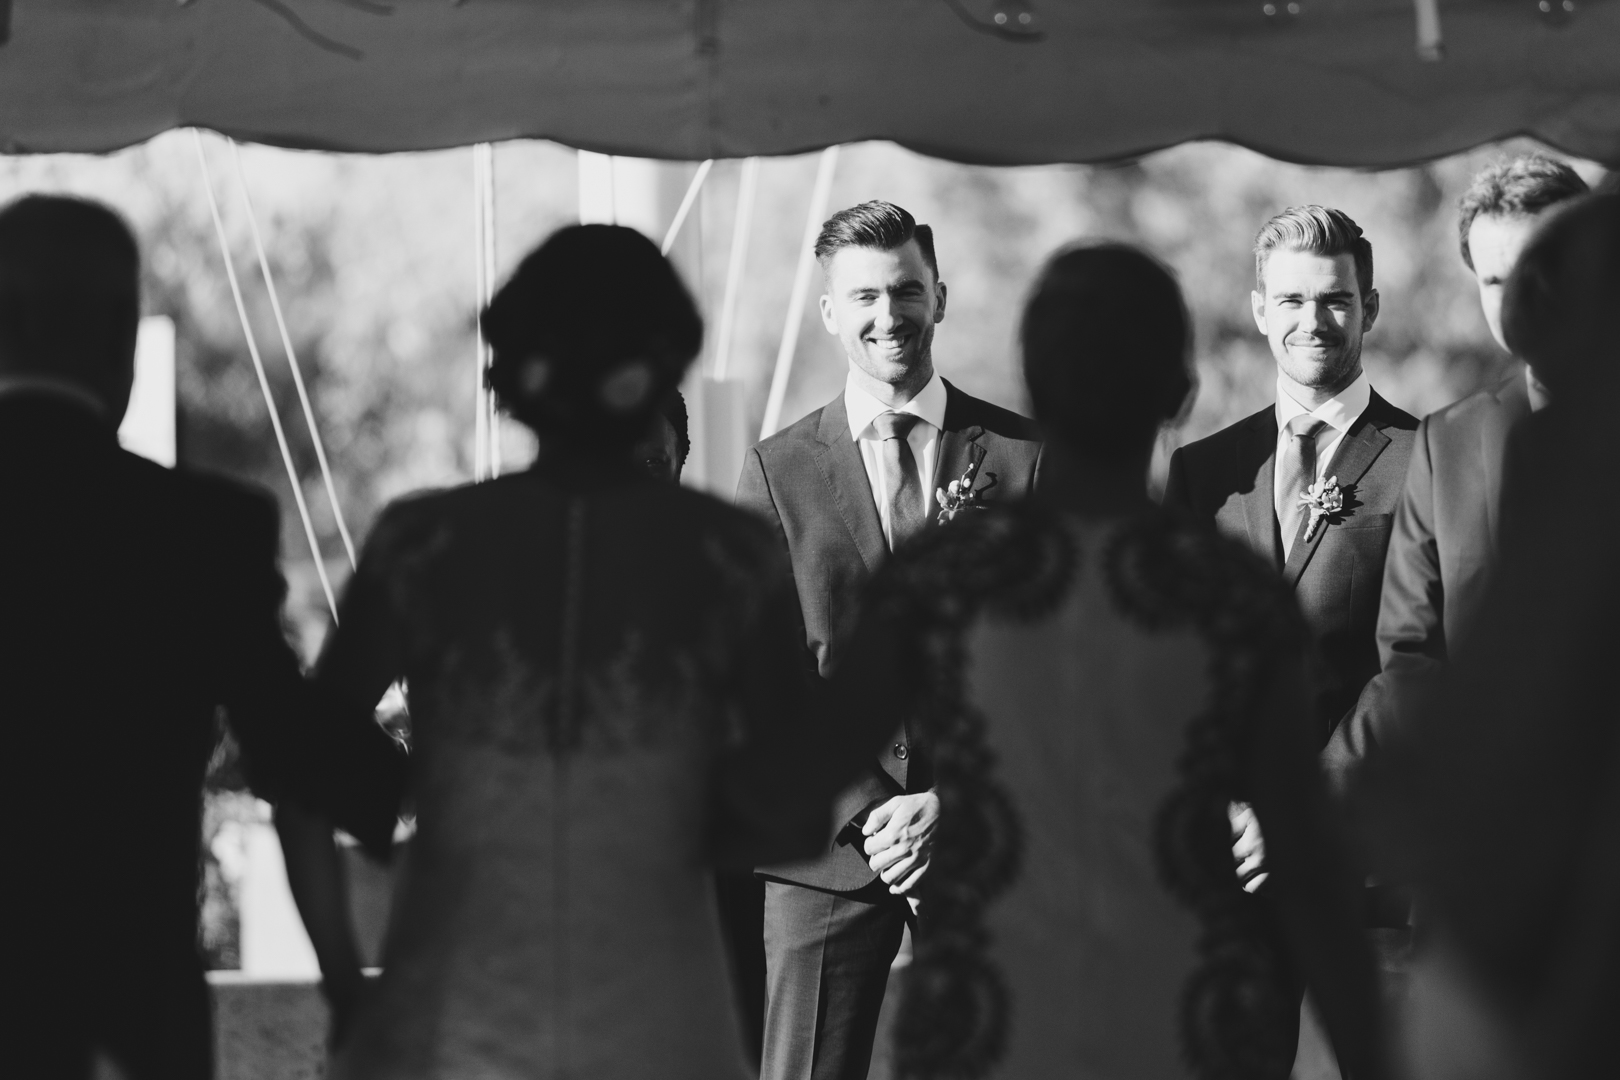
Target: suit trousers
827,960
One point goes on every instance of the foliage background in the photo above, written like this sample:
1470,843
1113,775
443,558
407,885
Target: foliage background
373,257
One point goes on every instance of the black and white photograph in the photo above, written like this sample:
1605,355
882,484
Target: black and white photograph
809,539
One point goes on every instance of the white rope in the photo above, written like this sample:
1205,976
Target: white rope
801,290
741,227
264,381
480,290
686,206
292,356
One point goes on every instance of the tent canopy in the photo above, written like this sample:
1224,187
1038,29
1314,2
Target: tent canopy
1335,81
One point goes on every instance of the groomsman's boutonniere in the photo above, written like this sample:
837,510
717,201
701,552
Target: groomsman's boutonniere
1325,498
960,495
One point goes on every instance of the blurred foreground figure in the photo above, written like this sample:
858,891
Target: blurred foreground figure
137,600
1098,681
605,691
1503,804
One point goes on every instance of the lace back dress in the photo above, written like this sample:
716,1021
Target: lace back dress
593,673
1089,686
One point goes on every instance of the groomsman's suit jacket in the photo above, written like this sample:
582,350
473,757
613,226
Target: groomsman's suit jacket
1444,545
1338,574
137,601
809,482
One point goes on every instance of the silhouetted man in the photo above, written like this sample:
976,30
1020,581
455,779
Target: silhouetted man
137,601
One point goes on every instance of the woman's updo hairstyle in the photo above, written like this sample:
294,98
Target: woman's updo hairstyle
590,333
1106,340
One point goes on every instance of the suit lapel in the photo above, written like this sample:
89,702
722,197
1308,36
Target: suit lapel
1259,502
958,447
1358,450
839,460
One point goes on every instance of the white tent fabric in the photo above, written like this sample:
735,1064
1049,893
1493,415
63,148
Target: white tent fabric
1339,82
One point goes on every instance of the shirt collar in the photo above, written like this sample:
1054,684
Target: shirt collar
1340,411
928,405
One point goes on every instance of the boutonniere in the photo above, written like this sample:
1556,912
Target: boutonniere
960,495
1325,499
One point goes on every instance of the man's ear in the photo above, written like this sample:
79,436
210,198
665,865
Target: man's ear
939,301
827,318
1257,304
1369,310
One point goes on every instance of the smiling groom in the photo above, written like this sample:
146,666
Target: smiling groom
843,488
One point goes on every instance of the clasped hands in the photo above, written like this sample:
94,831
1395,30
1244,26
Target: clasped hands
1248,845
900,839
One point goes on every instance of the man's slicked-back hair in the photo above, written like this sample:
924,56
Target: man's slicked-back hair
875,224
1319,230
1515,187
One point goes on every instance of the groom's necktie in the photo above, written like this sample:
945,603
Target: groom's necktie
902,483
1297,471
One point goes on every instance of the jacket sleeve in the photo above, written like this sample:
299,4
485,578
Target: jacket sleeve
1411,627
299,743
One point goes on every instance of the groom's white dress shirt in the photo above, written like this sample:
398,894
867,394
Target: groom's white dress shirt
1339,413
929,407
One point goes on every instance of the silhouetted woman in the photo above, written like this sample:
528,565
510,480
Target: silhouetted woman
604,676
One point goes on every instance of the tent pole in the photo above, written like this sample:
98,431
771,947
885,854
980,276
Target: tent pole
292,357
264,380
492,422
480,408
742,224
801,289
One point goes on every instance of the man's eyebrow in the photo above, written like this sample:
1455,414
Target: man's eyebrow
907,283
1328,294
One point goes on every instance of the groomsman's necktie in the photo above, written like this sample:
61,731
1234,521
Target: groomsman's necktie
902,484
1297,471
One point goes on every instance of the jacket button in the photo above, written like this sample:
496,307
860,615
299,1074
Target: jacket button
900,751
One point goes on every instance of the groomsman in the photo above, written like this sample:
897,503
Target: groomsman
1311,482
1447,525
844,487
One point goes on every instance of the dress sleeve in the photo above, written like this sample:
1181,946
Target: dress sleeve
1316,895
797,747
365,653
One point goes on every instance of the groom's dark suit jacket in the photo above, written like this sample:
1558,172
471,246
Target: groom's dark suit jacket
1337,575
809,482
136,601
1441,554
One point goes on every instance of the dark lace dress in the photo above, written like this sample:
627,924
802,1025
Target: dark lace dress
604,682
1095,693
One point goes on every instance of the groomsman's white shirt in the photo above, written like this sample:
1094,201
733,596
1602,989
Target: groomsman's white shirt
929,406
1340,412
